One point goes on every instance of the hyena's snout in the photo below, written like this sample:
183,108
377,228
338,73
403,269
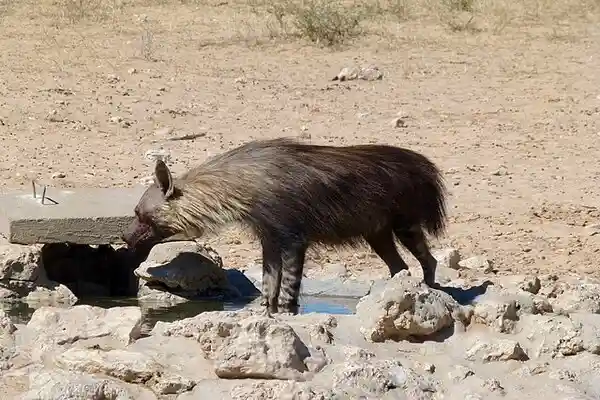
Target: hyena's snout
137,233
128,234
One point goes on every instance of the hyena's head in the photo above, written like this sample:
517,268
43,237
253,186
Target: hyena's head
151,223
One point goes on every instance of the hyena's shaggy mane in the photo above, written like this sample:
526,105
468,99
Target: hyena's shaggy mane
283,189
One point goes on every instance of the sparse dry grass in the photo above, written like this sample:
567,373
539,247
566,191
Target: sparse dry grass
327,23
94,10
320,21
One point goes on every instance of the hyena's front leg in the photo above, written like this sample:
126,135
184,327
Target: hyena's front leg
292,268
271,277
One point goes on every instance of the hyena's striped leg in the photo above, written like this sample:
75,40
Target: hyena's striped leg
414,240
271,276
293,257
383,245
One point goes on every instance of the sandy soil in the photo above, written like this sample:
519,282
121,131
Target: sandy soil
512,119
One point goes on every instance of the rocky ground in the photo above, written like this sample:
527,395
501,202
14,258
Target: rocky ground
508,108
478,336
503,96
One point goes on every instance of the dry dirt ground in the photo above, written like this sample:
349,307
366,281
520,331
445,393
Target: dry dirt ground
508,106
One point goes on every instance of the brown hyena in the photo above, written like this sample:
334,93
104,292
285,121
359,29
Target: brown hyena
293,195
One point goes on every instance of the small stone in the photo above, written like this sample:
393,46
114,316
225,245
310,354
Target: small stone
52,384
500,172
495,311
304,135
406,308
398,123
498,350
185,266
347,74
531,284
426,367
158,154
52,328
132,71
371,379
164,131
209,328
21,263
53,116
116,119
323,330
146,180
574,297
493,385
447,258
563,375
261,348
558,335
58,175
460,373
6,325
477,262
353,353
156,297
112,78
532,370
126,365
370,73
50,296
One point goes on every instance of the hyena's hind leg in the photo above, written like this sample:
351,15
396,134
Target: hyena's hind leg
271,277
293,256
413,238
382,243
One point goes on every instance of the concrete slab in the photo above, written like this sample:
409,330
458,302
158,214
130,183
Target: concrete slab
84,216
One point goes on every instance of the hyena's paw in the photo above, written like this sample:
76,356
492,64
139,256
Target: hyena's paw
268,311
432,284
289,309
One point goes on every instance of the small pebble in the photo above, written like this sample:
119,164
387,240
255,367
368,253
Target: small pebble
158,154
477,262
163,131
146,181
112,78
398,123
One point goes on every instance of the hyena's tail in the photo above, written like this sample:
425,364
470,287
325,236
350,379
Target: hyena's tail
434,202
429,192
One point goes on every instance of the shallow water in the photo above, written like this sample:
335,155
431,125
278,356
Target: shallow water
20,312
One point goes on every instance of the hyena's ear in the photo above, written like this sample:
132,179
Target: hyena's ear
163,178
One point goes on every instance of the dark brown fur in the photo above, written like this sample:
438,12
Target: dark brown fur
294,195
